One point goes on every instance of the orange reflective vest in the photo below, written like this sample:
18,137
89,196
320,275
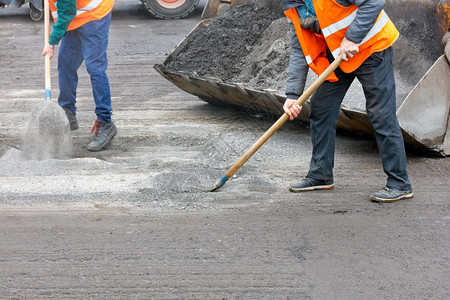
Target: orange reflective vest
87,10
334,19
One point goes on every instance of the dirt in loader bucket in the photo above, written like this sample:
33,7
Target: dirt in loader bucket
224,47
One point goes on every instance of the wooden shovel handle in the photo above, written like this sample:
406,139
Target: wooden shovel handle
314,86
47,57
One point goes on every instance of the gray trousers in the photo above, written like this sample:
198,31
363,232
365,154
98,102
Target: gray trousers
376,75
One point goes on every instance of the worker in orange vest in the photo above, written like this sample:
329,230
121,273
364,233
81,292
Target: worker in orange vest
82,26
362,34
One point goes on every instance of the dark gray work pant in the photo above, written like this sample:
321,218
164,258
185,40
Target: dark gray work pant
376,75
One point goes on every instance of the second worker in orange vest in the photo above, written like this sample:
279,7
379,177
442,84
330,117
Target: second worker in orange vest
362,34
82,26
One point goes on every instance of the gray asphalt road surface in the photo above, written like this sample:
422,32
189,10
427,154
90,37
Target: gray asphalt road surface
135,221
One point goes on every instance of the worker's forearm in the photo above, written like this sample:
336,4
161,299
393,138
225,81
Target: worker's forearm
298,69
67,10
368,11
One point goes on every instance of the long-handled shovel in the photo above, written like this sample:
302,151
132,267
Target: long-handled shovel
276,125
47,134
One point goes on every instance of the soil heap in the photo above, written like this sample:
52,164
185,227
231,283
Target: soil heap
246,44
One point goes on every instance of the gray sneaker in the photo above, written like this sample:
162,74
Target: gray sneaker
104,132
390,195
309,184
72,119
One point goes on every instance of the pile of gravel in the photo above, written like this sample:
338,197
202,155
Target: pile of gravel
232,47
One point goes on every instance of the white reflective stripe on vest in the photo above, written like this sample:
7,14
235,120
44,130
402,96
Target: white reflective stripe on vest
55,13
335,27
308,59
376,28
92,5
336,52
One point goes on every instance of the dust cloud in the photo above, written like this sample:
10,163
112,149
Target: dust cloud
47,134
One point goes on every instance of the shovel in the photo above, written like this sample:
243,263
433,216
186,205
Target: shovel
47,135
314,86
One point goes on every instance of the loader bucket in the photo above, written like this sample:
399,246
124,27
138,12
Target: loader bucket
227,61
424,115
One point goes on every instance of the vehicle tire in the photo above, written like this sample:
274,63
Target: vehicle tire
170,9
35,14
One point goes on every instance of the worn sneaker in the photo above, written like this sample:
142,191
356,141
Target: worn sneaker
104,132
72,119
308,184
390,195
